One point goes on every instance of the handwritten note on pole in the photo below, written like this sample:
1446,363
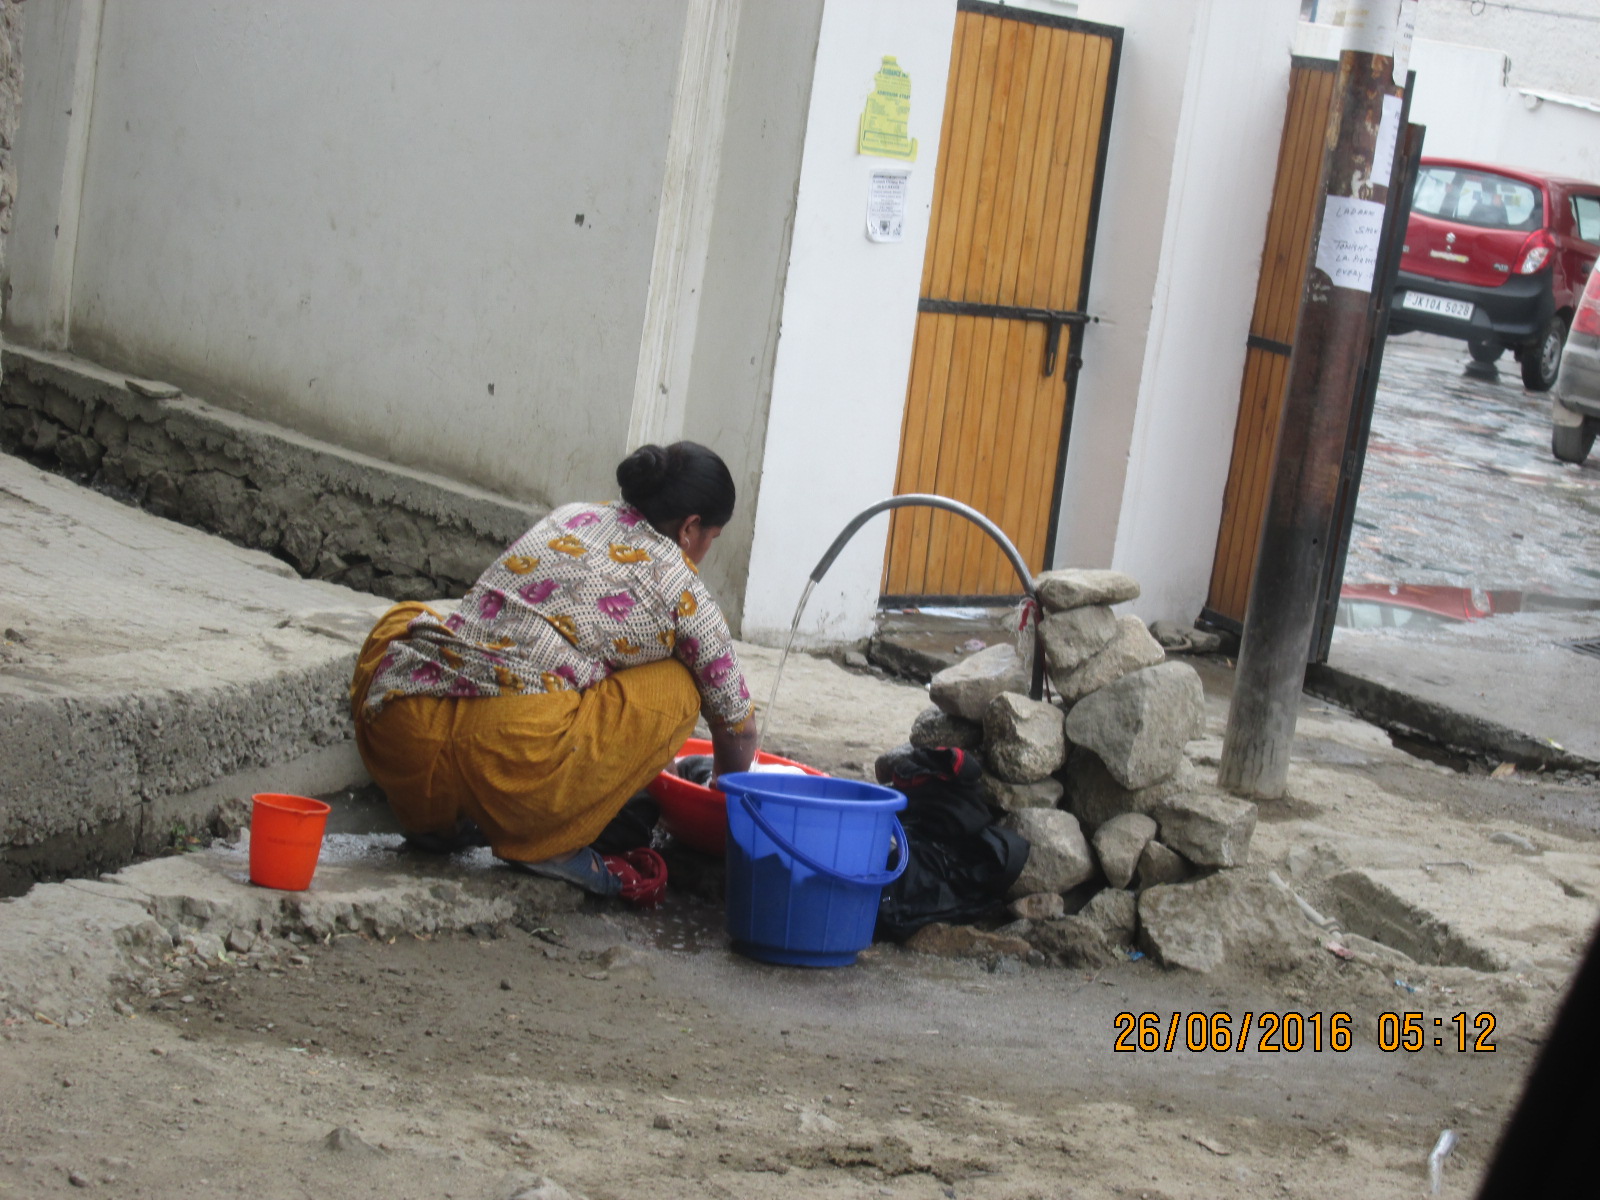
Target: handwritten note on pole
1347,249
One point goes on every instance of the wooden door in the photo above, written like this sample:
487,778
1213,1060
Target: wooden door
1004,284
1266,369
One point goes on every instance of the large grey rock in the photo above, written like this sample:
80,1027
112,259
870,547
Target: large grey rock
1118,844
966,689
1115,913
1139,725
1014,797
1209,831
1075,587
1159,864
1236,917
1072,637
1059,858
1131,649
1023,740
1094,797
935,727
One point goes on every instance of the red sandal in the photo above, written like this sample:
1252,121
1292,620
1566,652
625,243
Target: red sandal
643,874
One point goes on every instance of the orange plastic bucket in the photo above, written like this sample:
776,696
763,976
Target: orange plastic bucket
285,840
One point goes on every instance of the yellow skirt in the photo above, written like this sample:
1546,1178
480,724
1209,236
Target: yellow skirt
540,774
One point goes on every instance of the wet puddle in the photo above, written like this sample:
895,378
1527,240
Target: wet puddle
1462,501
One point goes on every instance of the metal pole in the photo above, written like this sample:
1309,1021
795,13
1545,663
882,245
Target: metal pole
1330,346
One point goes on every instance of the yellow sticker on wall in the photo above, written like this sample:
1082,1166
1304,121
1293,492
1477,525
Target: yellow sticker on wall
885,122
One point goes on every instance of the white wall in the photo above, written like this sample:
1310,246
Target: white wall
1544,45
357,219
1470,113
742,286
1199,107
1128,246
849,316
1215,188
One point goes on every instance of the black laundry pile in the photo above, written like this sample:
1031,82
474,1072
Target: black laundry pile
961,862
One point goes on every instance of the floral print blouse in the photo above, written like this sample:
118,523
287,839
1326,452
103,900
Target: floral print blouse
590,590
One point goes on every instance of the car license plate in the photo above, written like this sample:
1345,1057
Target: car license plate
1461,310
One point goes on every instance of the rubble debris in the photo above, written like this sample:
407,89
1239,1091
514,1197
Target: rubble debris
1060,858
1040,906
935,727
1130,650
1072,941
1238,917
1014,797
1119,843
1071,638
1094,796
1115,912
1160,864
963,941
966,689
1209,831
1139,725
1178,637
1076,587
1024,740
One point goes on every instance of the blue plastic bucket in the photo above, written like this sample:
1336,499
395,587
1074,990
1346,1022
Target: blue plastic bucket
806,863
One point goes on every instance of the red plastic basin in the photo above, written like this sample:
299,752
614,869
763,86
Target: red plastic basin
696,815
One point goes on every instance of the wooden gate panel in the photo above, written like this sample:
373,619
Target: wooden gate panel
1266,375
1015,191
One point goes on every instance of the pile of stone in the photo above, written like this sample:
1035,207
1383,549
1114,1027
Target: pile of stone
1131,848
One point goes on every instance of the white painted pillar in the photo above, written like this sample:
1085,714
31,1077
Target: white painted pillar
683,222
61,43
1214,94
849,319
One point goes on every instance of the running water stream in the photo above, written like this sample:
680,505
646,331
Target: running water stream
772,697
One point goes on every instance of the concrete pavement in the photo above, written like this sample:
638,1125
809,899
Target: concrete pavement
1511,687
149,673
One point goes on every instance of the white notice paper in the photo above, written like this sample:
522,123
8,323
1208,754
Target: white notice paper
1347,248
1388,132
1404,32
886,206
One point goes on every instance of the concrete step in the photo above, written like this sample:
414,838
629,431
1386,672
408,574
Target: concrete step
153,676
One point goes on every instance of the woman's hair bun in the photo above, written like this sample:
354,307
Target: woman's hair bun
642,473
668,483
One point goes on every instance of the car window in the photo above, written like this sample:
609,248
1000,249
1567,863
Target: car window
1586,213
1477,198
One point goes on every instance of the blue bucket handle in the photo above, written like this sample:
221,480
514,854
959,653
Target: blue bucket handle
879,879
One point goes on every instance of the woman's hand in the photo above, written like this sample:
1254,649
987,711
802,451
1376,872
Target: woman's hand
733,749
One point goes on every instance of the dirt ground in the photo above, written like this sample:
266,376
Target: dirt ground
625,1054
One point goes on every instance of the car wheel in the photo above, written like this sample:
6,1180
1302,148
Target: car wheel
1484,350
1572,443
1541,358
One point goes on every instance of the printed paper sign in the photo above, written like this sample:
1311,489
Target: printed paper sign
886,206
1347,249
1388,132
885,122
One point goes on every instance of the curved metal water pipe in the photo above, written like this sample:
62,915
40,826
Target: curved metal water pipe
927,500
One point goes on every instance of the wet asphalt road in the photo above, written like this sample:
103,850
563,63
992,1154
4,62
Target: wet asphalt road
1460,488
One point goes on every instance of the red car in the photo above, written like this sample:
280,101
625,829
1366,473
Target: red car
1497,256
